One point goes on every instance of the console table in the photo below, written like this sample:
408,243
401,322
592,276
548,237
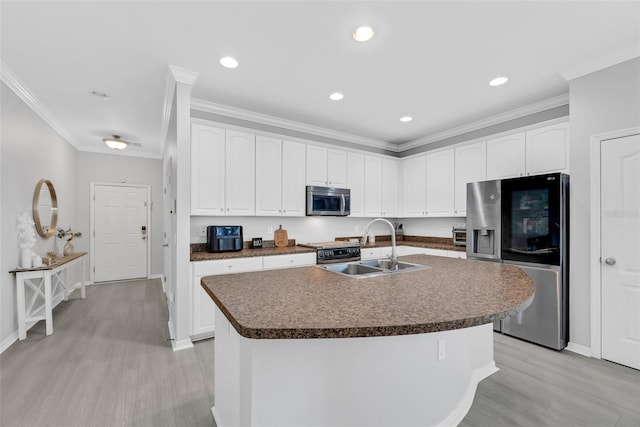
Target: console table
49,286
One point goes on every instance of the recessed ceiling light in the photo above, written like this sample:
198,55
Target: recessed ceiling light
362,34
498,81
406,119
115,142
228,62
99,94
336,96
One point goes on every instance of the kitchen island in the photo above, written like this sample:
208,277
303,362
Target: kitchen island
306,346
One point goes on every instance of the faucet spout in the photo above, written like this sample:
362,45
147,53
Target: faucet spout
394,252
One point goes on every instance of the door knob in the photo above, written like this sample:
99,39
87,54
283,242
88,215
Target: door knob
165,245
610,261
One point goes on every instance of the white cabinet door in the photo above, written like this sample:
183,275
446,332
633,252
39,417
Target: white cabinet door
268,176
470,166
317,166
372,186
389,187
355,181
413,187
547,149
207,170
440,183
337,168
240,173
293,175
506,156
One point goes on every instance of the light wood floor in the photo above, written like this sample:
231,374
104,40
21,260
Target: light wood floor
109,363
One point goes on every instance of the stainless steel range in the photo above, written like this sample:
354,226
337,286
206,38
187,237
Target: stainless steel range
332,252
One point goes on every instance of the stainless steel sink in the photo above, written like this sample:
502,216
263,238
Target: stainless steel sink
372,268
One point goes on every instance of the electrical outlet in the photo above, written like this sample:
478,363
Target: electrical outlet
442,352
203,230
270,229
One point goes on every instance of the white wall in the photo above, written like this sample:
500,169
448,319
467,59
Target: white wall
115,169
603,101
30,150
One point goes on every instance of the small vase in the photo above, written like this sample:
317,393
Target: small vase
68,248
25,258
59,248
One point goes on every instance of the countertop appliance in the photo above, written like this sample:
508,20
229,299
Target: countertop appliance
459,234
327,201
224,238
331,252
525,222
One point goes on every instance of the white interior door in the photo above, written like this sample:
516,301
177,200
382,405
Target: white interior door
620,250
121,232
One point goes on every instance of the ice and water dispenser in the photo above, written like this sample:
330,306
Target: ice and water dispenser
483,220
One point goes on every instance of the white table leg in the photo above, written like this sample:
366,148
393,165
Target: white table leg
22,315
48,309
83,291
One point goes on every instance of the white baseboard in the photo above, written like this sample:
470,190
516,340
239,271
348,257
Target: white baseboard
579,349
463,407
6,343
181,345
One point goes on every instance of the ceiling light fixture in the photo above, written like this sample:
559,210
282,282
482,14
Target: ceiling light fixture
406,119
363,34
99,94
228,62
116,143
336,96
498,81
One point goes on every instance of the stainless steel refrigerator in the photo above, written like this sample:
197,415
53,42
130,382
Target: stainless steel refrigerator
525,222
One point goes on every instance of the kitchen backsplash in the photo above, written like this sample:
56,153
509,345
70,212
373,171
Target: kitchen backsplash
319,229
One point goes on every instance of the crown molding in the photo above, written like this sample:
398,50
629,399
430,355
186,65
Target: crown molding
599,63
238,113
182,75
536,107
12,81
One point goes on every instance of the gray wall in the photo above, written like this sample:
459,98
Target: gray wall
603,101
115,169
30,150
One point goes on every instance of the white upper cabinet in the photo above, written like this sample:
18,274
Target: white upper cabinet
372,186
470,166
293,174
268,176
240,173
380,186
414,189
440,183
390,187
326,167
547,149
207,170
279,174
355,181
505,156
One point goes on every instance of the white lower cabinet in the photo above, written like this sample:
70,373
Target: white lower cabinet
457,254
203,317
288,261
203,324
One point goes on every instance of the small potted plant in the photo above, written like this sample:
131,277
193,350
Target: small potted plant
26,239
67,235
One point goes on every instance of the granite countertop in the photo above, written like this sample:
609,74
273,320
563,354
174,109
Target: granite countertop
309,302
199,253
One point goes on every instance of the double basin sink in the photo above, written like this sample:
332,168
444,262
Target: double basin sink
372,268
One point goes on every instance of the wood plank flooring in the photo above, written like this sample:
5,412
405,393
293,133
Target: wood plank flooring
109,363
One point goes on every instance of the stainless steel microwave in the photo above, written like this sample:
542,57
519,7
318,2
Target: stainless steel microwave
325,201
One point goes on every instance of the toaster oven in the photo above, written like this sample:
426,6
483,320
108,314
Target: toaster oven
459,233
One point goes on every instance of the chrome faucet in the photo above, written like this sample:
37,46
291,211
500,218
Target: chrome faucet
394,252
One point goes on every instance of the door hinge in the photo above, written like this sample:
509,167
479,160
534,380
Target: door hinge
145,203
94,269
94,233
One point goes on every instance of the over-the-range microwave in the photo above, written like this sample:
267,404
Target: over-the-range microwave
326,201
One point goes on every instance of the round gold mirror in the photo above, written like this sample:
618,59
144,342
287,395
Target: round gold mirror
45,208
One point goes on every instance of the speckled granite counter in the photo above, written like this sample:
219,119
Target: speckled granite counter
310,302
207,256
